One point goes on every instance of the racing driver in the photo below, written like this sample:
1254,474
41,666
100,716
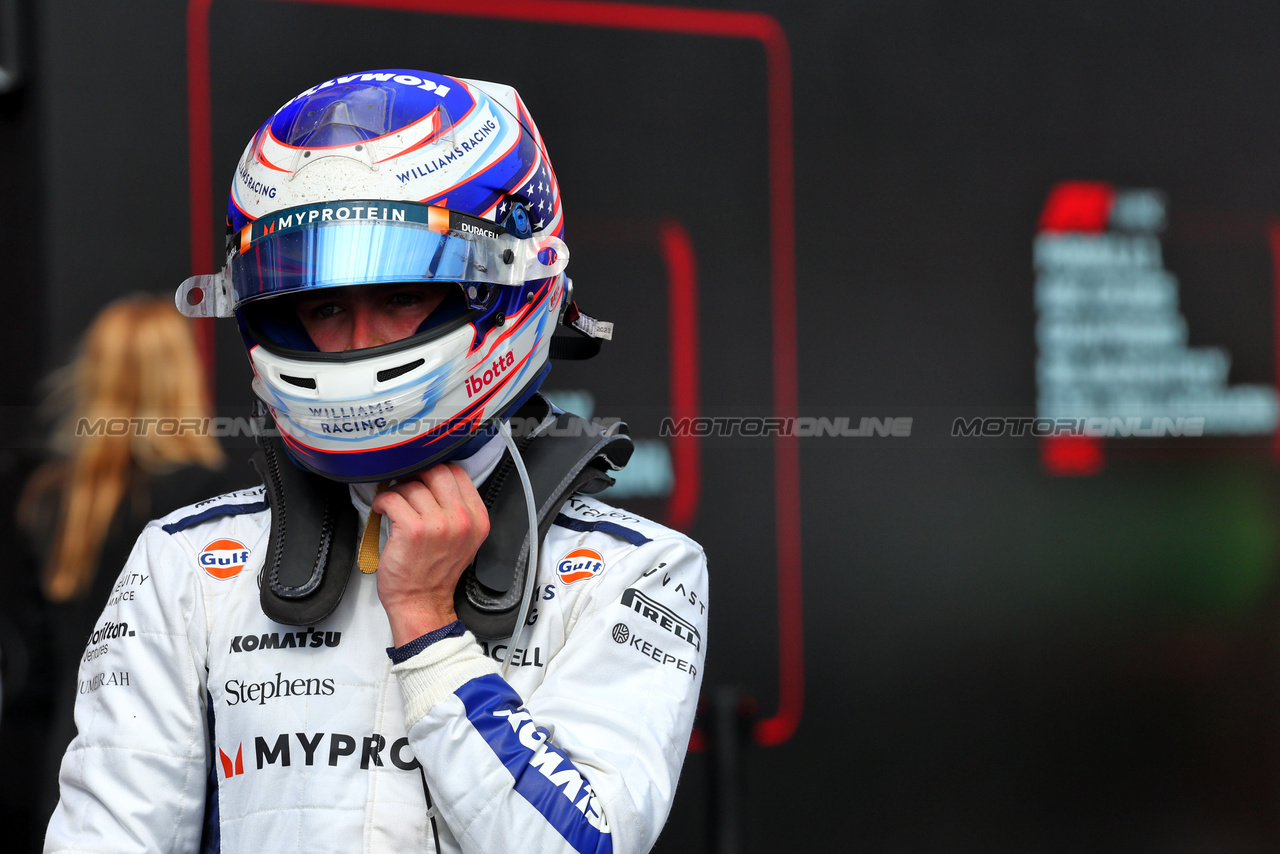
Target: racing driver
421,633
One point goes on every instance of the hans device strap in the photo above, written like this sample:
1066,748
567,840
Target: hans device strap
313,526
570,455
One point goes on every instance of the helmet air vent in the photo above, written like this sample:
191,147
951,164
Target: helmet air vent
301,382
392,373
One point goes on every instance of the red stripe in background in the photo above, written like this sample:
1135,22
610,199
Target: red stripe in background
647,17
683,370
200,162
1075,206
1273,241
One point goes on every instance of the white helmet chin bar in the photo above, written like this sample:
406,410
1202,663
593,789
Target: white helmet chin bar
367,242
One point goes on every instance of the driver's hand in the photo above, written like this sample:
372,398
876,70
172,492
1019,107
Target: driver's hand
438,522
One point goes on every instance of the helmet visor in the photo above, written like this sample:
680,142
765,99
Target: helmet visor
367,242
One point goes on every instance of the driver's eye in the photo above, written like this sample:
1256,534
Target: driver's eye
405,298
328,309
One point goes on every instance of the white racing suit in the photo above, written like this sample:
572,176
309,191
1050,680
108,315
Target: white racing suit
203,725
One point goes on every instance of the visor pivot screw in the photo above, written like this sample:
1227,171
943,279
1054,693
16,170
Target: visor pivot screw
359,148
472,292
528,296
306,154
508,256
499,318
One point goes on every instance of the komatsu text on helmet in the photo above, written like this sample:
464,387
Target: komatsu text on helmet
395,176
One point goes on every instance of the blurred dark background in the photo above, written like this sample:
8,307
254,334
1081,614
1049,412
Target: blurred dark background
997,658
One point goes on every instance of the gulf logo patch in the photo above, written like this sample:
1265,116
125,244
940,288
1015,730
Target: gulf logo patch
579,564
223,559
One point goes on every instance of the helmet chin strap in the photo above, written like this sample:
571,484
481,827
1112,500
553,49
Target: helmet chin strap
481,461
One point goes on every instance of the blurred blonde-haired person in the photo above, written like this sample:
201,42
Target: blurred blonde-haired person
131,443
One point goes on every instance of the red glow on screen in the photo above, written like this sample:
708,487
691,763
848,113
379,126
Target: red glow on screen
1071,456
1078,206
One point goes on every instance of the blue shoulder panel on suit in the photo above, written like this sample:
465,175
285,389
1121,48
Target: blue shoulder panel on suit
582,526
213,513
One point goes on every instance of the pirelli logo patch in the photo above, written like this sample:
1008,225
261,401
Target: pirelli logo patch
662,617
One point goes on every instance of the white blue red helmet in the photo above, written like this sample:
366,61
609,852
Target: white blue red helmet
394,176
